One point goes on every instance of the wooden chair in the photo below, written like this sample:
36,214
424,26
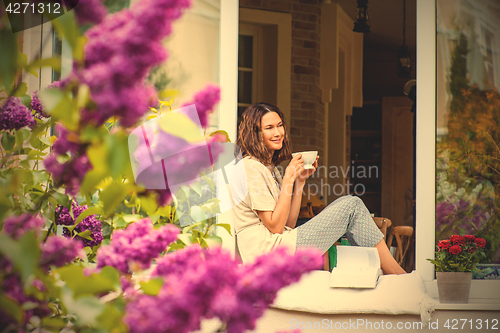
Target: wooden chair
383,224
403,236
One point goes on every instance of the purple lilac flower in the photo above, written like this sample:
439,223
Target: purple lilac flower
63,217
12,288
115,71
444,214
58,251
89,11
205,102
37,105
209,283
136,246
64,143
177,262
15,115
17,226
70,173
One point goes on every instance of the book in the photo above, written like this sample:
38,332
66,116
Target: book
357,267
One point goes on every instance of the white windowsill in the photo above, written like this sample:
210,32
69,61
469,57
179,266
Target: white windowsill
484,296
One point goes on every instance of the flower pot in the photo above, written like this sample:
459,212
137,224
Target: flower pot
453,287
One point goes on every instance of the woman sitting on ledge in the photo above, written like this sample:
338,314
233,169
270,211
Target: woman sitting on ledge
267,205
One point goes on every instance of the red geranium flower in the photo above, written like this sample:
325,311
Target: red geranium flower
480,242
457,240
469,238
444,244
455,249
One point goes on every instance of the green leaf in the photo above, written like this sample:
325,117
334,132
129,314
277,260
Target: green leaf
164,211
85,234
62,199
12,308
181,126
152,287
23,253
83,96
226,226
185,230
111,317
112,196
22,89
36,64
95,210
186,238
197,188
8,58
106,280
129,218
209,181
197,213
19,140
58,104
213,241
118,154
8,141
148,204
86,309
55,323
26,100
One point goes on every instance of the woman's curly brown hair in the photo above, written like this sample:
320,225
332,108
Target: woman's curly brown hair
250,142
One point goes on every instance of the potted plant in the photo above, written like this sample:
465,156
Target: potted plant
455,260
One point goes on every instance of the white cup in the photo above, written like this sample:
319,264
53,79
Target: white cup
309,158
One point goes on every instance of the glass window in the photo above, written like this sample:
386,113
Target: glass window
468,122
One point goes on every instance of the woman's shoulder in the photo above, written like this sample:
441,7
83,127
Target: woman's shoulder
253,162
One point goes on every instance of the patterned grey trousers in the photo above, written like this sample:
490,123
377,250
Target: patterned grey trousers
347,216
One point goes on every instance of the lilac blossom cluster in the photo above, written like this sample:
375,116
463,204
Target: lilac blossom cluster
36,104
87,11
209,283
205,101
70,173
58,251
15,115
461,217
17,226
12,288
115,71
91,223
134,247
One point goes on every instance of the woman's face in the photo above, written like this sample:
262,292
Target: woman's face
273,131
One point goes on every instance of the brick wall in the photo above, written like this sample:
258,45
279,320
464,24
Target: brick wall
307,112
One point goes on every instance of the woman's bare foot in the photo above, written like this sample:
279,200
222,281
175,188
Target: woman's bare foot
387,261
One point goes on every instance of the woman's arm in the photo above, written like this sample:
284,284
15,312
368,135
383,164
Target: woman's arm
297,194
276,220
296,201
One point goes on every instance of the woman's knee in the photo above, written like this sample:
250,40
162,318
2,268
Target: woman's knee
354,200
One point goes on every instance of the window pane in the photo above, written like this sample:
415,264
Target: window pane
245,51
244,87
468,123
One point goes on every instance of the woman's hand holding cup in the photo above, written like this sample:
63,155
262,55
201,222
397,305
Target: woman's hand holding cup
295,167
308,171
